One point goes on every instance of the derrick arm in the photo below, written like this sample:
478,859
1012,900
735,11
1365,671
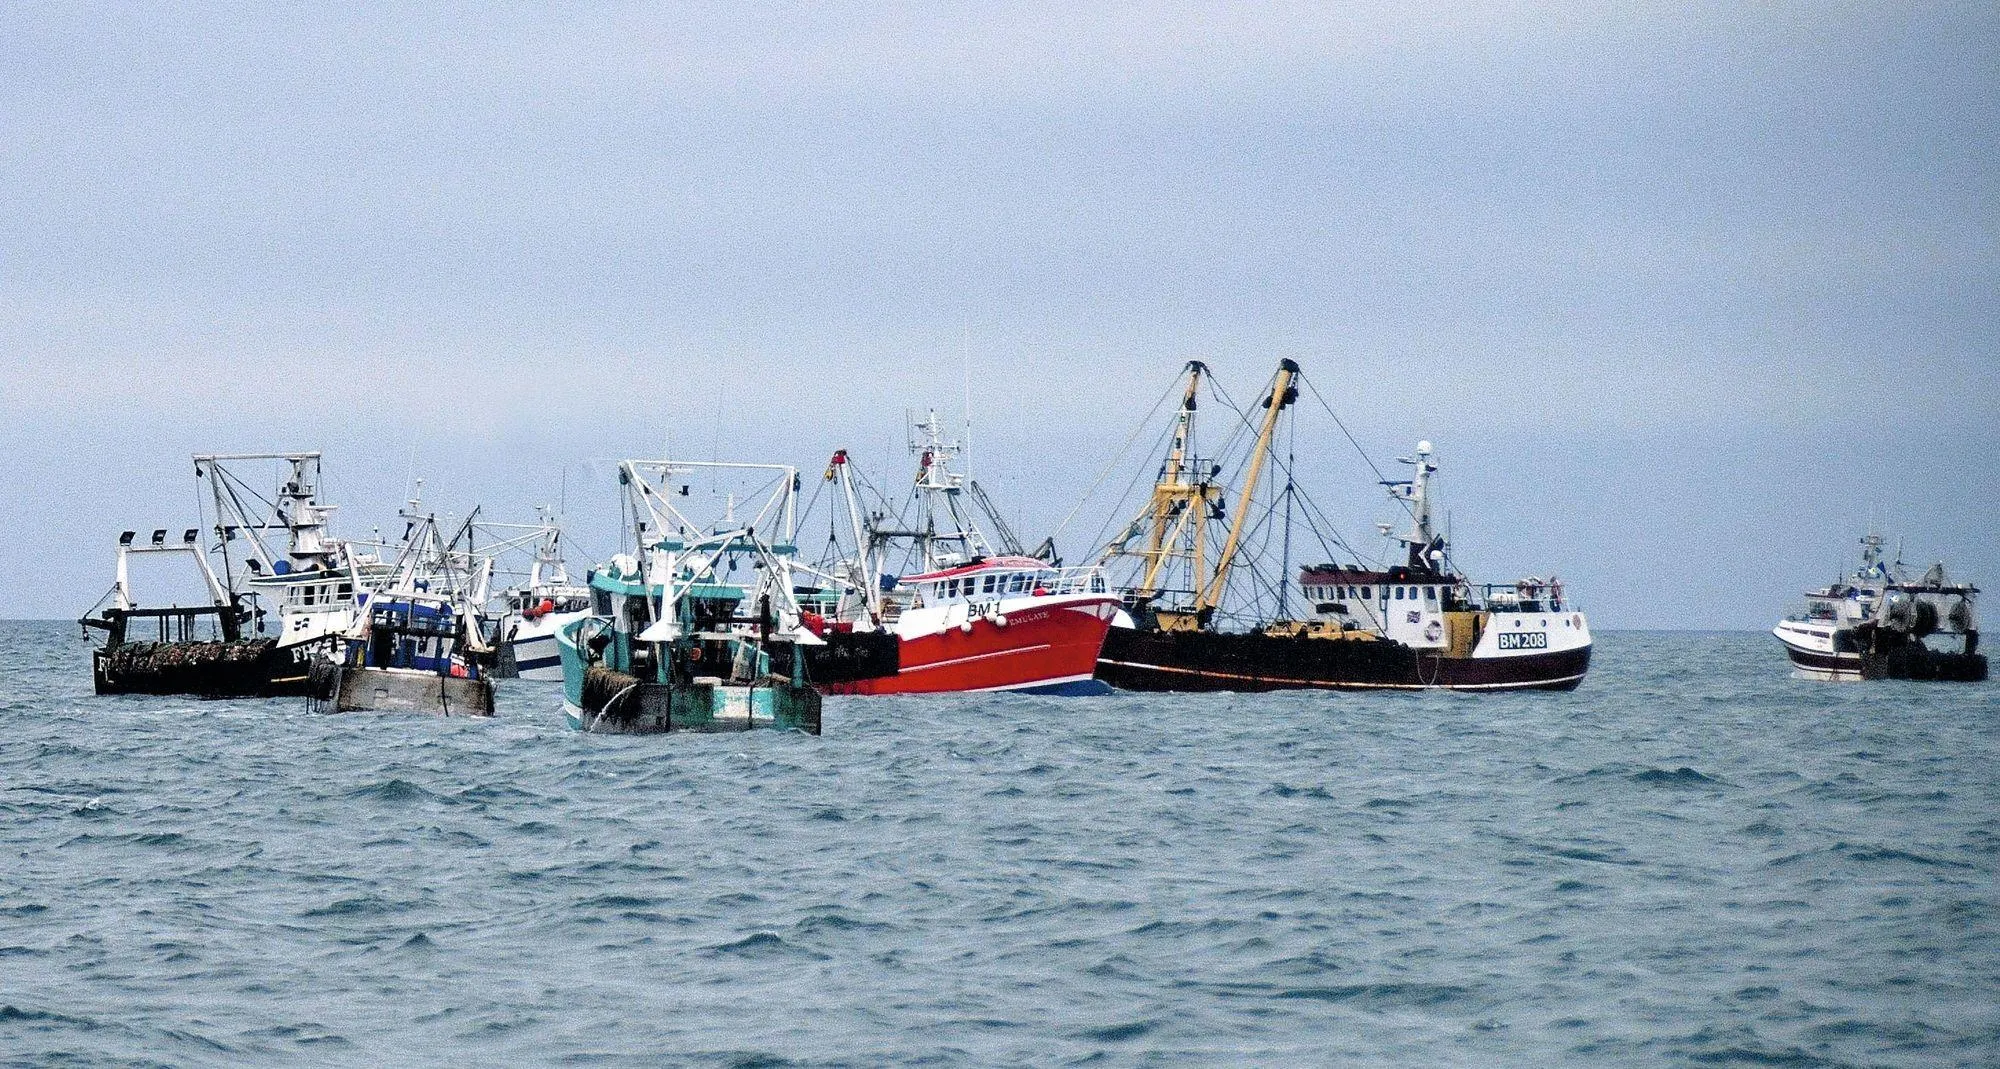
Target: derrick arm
1283,392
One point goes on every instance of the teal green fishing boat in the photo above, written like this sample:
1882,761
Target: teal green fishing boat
676,641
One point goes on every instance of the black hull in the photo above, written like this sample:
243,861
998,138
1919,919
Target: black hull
847,657
1892,657
1208,661
253,668
1910,662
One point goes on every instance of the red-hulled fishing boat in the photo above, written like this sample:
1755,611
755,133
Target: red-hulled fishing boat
973,617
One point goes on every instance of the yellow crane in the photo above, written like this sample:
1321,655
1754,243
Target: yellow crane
1186,497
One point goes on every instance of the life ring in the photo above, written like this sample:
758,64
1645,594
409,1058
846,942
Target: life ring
694,653
1433,631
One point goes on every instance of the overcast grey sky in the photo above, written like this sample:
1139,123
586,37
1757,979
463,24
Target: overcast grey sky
1685,294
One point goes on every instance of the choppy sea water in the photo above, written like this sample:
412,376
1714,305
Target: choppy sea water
1693,859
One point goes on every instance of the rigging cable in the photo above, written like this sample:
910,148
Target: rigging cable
1137,429
1370,461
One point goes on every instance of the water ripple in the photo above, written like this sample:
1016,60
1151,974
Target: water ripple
1694,859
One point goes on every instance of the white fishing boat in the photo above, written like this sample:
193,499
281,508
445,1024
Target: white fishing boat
1883,623
530,612
316,583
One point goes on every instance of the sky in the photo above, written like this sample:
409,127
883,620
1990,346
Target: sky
1687,295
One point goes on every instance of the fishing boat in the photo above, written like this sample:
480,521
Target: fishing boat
316,583
1883,623
701,629
1413,624
530,613
416,646
198,649
973,616
275,558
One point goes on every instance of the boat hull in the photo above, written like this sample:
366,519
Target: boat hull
250,668
600,700
1149,660
401,690
1839,655
533,646
1043,649
612,703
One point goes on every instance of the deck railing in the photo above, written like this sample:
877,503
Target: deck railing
1086,579
1521,597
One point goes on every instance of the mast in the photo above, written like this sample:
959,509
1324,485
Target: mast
1176,497
1423,543
936,480
864,547
1285,563
1283,392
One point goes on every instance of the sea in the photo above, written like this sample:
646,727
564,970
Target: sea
1694,859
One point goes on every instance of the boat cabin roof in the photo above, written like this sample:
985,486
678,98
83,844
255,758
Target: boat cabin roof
1332,574
984,564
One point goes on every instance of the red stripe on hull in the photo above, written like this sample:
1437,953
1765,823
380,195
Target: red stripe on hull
1038,645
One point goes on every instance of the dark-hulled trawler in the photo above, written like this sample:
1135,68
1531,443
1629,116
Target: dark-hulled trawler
1416,624
219,647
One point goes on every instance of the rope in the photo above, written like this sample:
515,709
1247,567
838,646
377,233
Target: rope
1105,472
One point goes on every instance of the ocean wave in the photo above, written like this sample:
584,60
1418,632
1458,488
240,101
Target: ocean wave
1679,863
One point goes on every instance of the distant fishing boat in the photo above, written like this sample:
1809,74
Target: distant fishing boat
1880,623
416,646
701,629
972,617
176,649
530,614
1417,624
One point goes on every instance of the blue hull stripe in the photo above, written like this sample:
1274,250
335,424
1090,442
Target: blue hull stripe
1075,688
